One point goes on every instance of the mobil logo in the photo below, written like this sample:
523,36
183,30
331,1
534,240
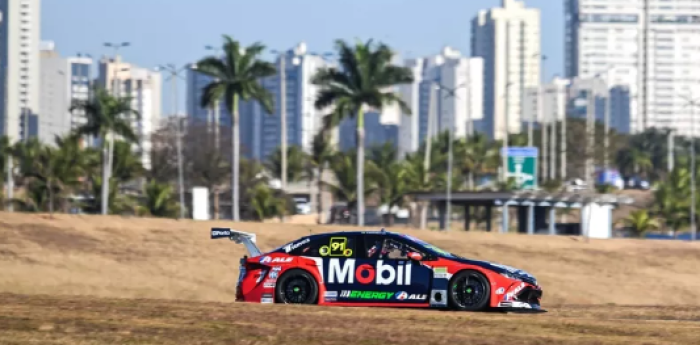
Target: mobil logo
346,271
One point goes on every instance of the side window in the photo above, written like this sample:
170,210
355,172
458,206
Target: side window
330,246
387,248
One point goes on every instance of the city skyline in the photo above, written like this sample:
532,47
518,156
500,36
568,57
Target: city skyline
172,42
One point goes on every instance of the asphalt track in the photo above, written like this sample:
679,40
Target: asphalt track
44,319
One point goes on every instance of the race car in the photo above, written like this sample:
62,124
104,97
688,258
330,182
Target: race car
377,269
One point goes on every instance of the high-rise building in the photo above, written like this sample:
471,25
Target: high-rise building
650,47
376,132
144,87
63,80
508,39
19,67
260,131
447,90
553,99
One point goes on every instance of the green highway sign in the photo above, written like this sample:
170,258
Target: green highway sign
522,166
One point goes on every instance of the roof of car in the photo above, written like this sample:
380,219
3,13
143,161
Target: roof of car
365,232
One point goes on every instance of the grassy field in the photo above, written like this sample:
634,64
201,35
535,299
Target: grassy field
99,280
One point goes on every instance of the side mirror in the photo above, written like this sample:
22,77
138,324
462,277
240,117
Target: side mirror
415,256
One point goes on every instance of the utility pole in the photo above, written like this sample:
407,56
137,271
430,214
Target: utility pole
174,74
693,229
504,163
670,150
432,107
590,133
553,138
283,120
10,179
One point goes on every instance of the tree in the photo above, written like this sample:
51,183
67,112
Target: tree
476,157
344,168
321,154
392,177
236,77
640,222
107,116
296,163
265,203
159,201
363,82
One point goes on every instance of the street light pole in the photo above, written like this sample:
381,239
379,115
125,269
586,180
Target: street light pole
504,163
107,165
216,112
10,180
693,229
174,74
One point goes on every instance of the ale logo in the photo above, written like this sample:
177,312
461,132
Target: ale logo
383,274
403,295
268,259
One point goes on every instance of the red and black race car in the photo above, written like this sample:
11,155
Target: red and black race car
376,269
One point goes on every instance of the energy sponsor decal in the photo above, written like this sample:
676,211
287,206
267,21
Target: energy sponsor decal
382,274
336,247
288,248
373,295
268,259
381,295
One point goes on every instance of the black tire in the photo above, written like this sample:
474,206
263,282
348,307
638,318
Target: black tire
296,286
469,290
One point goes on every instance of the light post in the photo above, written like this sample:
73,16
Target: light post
214,114
174,74
606,134
692,103
451,93
506,127
10,181
107,171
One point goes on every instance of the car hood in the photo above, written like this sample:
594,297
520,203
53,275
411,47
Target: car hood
499,268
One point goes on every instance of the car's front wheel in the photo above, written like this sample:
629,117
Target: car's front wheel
469,291
296,286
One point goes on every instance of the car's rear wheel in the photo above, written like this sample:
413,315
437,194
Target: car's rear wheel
296,286
469,291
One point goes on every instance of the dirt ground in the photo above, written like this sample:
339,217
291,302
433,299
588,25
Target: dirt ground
82,320
106,280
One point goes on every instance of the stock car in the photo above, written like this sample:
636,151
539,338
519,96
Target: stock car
377,269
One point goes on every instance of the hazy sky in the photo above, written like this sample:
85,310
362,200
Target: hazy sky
176,31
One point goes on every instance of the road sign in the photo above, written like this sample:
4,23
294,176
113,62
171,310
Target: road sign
522,165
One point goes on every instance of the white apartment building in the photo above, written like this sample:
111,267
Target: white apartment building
144,87
447,91
508,39
63,80
553,99
20,25
650,47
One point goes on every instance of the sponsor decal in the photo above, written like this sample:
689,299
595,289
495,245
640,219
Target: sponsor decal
511,295
440,269
376,295
288,248
336,247
268,259
440,273
402,295
273,275
330,294
220,233
500,291
276,268
267,300
381,295
382,274
269,285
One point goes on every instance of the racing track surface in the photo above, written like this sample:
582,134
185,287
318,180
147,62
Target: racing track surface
41,319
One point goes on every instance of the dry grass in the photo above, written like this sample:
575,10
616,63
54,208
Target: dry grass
87,320
152,258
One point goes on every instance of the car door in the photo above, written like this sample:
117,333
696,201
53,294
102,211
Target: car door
380,274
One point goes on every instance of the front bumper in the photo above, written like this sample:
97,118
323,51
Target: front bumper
526,300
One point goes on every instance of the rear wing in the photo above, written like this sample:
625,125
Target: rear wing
239,237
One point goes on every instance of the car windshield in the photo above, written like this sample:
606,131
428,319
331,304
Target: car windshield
430,246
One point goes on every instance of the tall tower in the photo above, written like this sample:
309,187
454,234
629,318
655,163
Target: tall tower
508,40
19,67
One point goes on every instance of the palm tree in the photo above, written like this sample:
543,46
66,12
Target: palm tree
107,116
296,163
363,82
321,153
265,203
640,222
236,77
478,157
420,179
159,200
344,169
